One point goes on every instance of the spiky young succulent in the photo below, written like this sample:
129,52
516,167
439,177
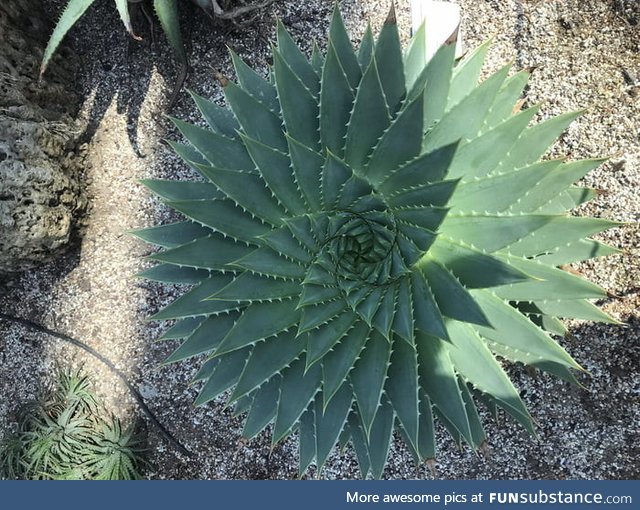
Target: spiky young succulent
63,436
372,231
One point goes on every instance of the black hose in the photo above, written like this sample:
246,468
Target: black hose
136,395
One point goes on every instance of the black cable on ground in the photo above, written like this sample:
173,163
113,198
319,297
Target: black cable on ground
134,392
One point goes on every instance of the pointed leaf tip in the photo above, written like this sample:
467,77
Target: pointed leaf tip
391,17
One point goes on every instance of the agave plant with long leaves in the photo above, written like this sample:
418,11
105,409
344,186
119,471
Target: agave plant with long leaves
372,231
166,10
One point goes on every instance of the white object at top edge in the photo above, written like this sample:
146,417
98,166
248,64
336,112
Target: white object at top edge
441,21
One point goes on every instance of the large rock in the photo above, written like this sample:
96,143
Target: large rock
40,194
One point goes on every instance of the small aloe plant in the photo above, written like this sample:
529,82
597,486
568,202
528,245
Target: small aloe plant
372,231
62,436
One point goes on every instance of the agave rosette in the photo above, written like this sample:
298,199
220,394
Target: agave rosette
372,231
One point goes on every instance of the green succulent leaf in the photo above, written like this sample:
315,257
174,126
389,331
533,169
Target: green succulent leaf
225,375
123,10
435,80
172,235
296,394
255,84
266,359
169,273
388,56
403,388
336,103
369,119
298,104
466,74
71,14
296,61
205,337
365,52
368,375
167,12
194,303
373,230
263,408
330,421
317,60
344,49
219,119
182,190
507,97
67,435
439,380
182,328
415,56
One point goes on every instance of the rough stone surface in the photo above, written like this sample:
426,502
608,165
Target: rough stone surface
586,55
40,193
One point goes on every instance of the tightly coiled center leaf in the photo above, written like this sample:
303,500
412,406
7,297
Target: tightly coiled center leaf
359,250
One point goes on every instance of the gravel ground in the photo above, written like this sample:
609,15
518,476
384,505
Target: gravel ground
585,54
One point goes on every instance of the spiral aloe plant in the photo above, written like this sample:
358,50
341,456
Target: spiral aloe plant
370,233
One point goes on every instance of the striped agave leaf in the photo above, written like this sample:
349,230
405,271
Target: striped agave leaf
372,231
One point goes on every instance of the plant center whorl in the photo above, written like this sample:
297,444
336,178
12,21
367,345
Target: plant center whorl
358,253
360,246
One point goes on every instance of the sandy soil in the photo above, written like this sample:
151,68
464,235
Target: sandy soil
586,54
